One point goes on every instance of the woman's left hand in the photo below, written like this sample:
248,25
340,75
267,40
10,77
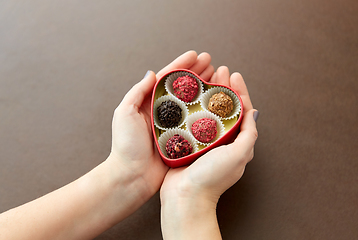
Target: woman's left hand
133,147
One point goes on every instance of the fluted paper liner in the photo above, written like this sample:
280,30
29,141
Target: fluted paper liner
173,76
205,98
181,104
203,114
163,139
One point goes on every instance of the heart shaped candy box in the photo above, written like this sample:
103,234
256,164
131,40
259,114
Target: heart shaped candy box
228,127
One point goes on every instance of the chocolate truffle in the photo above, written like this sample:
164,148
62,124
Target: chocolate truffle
220,104
169,114
185,88
178,147
204,129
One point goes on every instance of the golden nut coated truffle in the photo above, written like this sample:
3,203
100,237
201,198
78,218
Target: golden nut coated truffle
221,104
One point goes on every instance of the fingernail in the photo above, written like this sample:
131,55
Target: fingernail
256,115
147,74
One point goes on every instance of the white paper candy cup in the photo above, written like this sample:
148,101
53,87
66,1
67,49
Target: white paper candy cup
163,139
205,98
173,76
184,113
203,114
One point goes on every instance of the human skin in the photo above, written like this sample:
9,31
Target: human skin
118,186
189,194
128,178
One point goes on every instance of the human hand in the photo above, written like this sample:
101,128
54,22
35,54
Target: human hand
115,188
189,194
133,147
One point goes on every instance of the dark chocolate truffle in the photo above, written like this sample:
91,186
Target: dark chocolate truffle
178,147
169,114
185,88
204,129
220,104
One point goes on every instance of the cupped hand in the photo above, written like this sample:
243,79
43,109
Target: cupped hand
133,147
217,170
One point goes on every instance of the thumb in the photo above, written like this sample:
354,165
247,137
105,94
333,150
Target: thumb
245,141
139,91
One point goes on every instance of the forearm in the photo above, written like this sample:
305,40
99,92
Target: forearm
80,210
189,218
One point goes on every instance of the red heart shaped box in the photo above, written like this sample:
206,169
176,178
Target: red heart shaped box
228,137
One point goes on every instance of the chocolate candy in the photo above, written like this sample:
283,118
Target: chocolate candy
177,147
185,88
204,129
169,114
220,104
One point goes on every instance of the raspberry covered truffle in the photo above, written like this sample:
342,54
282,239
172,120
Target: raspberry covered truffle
169,114
177,147
185,88
204,129
221,104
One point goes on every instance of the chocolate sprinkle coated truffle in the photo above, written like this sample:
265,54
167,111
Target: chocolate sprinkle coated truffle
204,129
220,104
178,147
169,114
185,88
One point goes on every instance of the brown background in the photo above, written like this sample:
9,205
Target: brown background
65,66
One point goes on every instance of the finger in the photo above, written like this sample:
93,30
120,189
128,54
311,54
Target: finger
207,73
223,76
213,78
202,62
245,141
185,61
139,91
238,84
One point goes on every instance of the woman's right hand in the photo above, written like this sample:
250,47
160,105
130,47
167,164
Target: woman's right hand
189,194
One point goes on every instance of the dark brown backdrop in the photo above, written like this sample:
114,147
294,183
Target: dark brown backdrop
65,65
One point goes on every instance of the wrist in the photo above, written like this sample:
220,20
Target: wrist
187,207
111,193
187,192
121,178
188,216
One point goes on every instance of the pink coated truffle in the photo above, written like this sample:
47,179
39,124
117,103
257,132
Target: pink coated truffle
204,129
185,88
